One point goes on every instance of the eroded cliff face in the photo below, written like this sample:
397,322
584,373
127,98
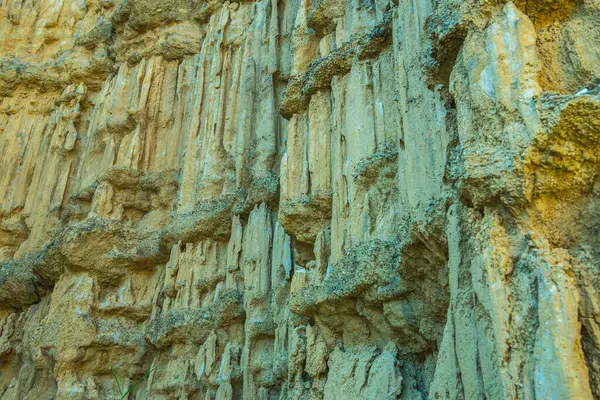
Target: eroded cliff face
304,199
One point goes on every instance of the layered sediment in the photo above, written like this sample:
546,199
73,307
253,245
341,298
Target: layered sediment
304,199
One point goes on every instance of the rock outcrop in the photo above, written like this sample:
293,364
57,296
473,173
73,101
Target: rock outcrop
303,199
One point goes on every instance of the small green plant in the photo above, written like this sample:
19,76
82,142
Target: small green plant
126,393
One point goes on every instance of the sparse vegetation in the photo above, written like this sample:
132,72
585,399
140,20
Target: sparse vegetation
124,394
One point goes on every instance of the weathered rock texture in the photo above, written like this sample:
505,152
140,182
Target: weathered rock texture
300,199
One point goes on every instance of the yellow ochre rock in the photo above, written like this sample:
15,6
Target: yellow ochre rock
300,199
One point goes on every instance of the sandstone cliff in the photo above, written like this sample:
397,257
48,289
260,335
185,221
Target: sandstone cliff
300,199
